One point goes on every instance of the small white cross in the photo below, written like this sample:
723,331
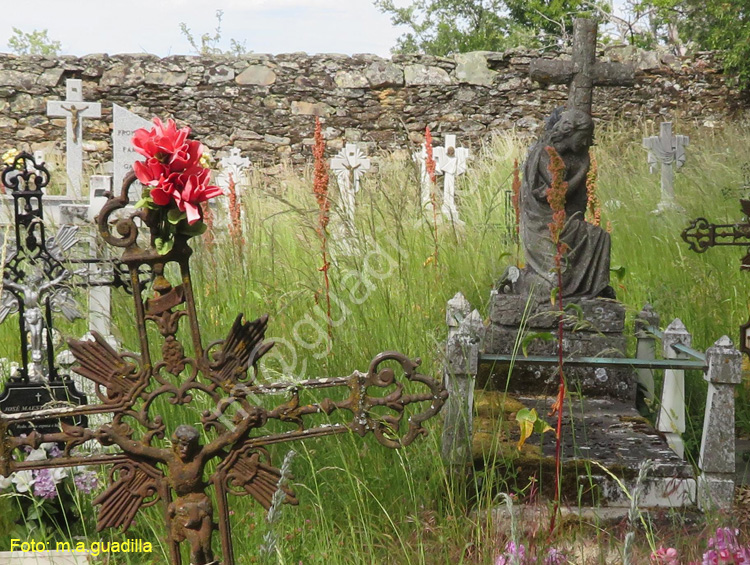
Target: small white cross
348,166
74,109
234,165
669,151
452,163
420,157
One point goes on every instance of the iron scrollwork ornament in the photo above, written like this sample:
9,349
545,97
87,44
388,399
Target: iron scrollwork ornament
157,461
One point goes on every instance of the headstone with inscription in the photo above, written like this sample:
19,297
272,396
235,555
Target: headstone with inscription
124,124
74,109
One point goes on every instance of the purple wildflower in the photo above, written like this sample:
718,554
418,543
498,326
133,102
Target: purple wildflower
44,484
724,549
86,481
515,554
54,451
555,557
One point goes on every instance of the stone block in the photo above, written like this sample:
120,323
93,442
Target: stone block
715,492
471,68
502,339
256,75
422,75
382,74
601,315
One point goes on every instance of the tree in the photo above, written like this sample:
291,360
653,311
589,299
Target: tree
722,25
209,44
440,27
34,43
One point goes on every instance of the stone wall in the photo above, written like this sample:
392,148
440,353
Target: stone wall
265,104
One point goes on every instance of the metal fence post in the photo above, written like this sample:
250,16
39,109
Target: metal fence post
671,419
716,462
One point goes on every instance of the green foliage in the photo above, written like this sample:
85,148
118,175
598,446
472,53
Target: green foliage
208,44
34,43
441,27
722,25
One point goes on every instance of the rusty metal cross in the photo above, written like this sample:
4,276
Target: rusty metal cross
211,387
701,235
583,72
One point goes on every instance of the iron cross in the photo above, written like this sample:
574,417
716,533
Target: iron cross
212,386
701,235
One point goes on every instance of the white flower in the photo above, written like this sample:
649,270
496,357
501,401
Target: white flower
58,474
5,482
37,454
23,480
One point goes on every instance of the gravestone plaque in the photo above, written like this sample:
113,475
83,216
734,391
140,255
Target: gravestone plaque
124,124
19,396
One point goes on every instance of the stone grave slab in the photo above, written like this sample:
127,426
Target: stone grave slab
608,431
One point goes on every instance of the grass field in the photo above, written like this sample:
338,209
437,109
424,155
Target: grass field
360,502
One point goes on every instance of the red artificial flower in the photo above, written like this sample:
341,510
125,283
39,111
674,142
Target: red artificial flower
173,168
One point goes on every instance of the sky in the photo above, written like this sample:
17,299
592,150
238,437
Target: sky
153,26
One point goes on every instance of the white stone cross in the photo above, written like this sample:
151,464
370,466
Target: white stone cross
669,150
74,109
234,165
452,163
420,157
348,166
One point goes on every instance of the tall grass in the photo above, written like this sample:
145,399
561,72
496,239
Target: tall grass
360,502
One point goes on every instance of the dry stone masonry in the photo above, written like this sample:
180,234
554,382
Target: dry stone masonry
263,104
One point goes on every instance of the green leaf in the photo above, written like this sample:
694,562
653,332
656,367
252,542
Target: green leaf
577,309
528,338
163,246
174,216
553,295
526,419
143,202
619,272
197,228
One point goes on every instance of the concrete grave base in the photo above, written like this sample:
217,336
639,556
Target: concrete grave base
594,327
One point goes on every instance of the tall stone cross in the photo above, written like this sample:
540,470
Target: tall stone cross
348,166
583,72
452,163
669,150
74,109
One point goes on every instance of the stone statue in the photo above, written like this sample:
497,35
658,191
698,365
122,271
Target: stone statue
586,262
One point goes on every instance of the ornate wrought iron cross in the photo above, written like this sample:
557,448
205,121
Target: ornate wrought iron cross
701,235
210,385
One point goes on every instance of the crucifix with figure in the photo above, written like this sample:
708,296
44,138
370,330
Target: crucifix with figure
217,387
74,109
